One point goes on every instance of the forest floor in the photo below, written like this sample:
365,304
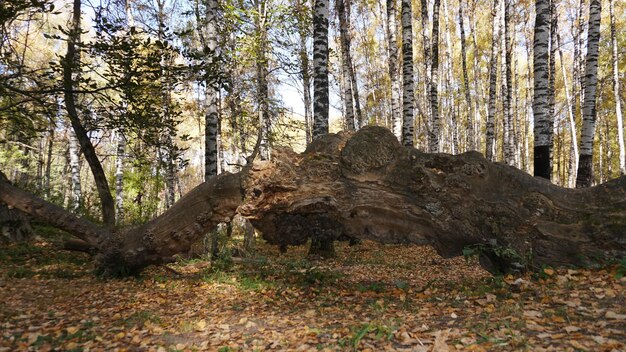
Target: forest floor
371,297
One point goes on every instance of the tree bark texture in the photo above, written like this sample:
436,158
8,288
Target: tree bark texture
507,87
542,123
392,43
470,137
346,65
585,163
408,87
320,68
434,133
616,91
493,79
366,185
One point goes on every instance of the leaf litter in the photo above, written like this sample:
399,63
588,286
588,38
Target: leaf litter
371,297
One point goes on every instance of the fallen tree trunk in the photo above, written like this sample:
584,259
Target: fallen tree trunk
366,185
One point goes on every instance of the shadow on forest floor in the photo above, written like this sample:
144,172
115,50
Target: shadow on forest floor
370,297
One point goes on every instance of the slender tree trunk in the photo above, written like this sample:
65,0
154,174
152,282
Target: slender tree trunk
427,60
579,44
470,137
478,86
493,78
392,42
71,65
261,76
552,77
616,91
585,160
573,158
121,138
50,146
509,152
407,75
119,176
346,64
208,39
543,126
320,68
303,32
434,135
345,9
74,151
450,88
320,245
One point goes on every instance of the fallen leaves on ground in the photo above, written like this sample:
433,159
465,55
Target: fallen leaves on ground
370,298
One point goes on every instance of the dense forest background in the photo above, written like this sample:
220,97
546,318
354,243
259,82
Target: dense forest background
144,99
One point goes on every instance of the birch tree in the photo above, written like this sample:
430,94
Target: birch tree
585,159
616,91
507,77
493,78
542,125
320,68
346,65
407,75
434,133
392,43
207,32
470,137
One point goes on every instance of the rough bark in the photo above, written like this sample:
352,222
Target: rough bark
261,76
15,225
434,134
427,59
369,186
408,86
585,163
343,9
542,123
493,78
346,63
207,33
320,68
554,19
616,92
366,185
507,88
471,143
392,43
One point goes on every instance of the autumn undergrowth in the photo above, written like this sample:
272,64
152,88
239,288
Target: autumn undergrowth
370,297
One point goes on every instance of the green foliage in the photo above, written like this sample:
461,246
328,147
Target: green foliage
141,193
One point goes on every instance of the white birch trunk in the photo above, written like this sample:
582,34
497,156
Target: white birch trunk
585,160
407,75
616,91
320,68
542,126
493,77
434,133
74,151
392,40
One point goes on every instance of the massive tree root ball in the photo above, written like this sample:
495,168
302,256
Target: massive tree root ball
366,185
